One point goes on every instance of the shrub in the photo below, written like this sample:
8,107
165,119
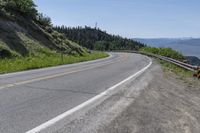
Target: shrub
43,20
7,53
168,52
20,7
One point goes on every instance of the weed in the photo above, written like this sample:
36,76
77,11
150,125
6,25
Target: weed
45,60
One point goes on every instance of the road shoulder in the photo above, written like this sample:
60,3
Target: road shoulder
157,102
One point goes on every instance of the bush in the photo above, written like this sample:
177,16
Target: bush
7,53
43,20
168,52
20,7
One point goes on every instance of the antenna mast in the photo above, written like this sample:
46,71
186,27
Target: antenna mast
96,25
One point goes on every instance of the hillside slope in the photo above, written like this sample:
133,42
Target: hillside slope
94,38
21,36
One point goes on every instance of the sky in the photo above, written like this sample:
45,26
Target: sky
128,18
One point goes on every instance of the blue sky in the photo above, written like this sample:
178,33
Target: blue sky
128,18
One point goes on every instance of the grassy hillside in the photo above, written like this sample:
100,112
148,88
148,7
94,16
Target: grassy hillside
28,40
24,31
20,37
93,38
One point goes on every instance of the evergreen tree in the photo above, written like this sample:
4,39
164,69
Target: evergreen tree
19,7
94,38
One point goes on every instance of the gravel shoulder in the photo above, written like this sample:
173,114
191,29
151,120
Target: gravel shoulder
155,102
168,104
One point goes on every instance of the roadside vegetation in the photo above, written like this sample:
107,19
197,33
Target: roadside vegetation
181,73
176,69
47,59
167,52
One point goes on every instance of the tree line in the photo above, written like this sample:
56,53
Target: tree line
96,39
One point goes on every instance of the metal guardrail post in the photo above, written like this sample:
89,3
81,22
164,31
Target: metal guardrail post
198,73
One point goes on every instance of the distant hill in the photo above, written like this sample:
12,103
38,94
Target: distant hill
23,31
96,39
187,46
159,42
193,60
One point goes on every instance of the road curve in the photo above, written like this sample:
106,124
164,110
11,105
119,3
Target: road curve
29,99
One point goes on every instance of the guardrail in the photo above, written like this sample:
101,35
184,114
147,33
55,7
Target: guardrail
194,69
176,62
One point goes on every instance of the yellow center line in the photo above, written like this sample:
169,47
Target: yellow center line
58,75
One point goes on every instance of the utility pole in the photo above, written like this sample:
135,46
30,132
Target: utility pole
62,56
61,52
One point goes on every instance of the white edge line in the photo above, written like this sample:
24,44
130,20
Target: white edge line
73,110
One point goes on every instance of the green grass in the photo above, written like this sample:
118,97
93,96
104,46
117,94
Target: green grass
45,60
6,52
181,72
168,52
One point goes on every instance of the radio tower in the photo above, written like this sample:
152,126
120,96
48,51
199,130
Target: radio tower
96,25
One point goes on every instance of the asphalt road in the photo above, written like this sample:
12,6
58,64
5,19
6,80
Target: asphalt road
29,99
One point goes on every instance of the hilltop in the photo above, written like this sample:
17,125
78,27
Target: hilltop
96,39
